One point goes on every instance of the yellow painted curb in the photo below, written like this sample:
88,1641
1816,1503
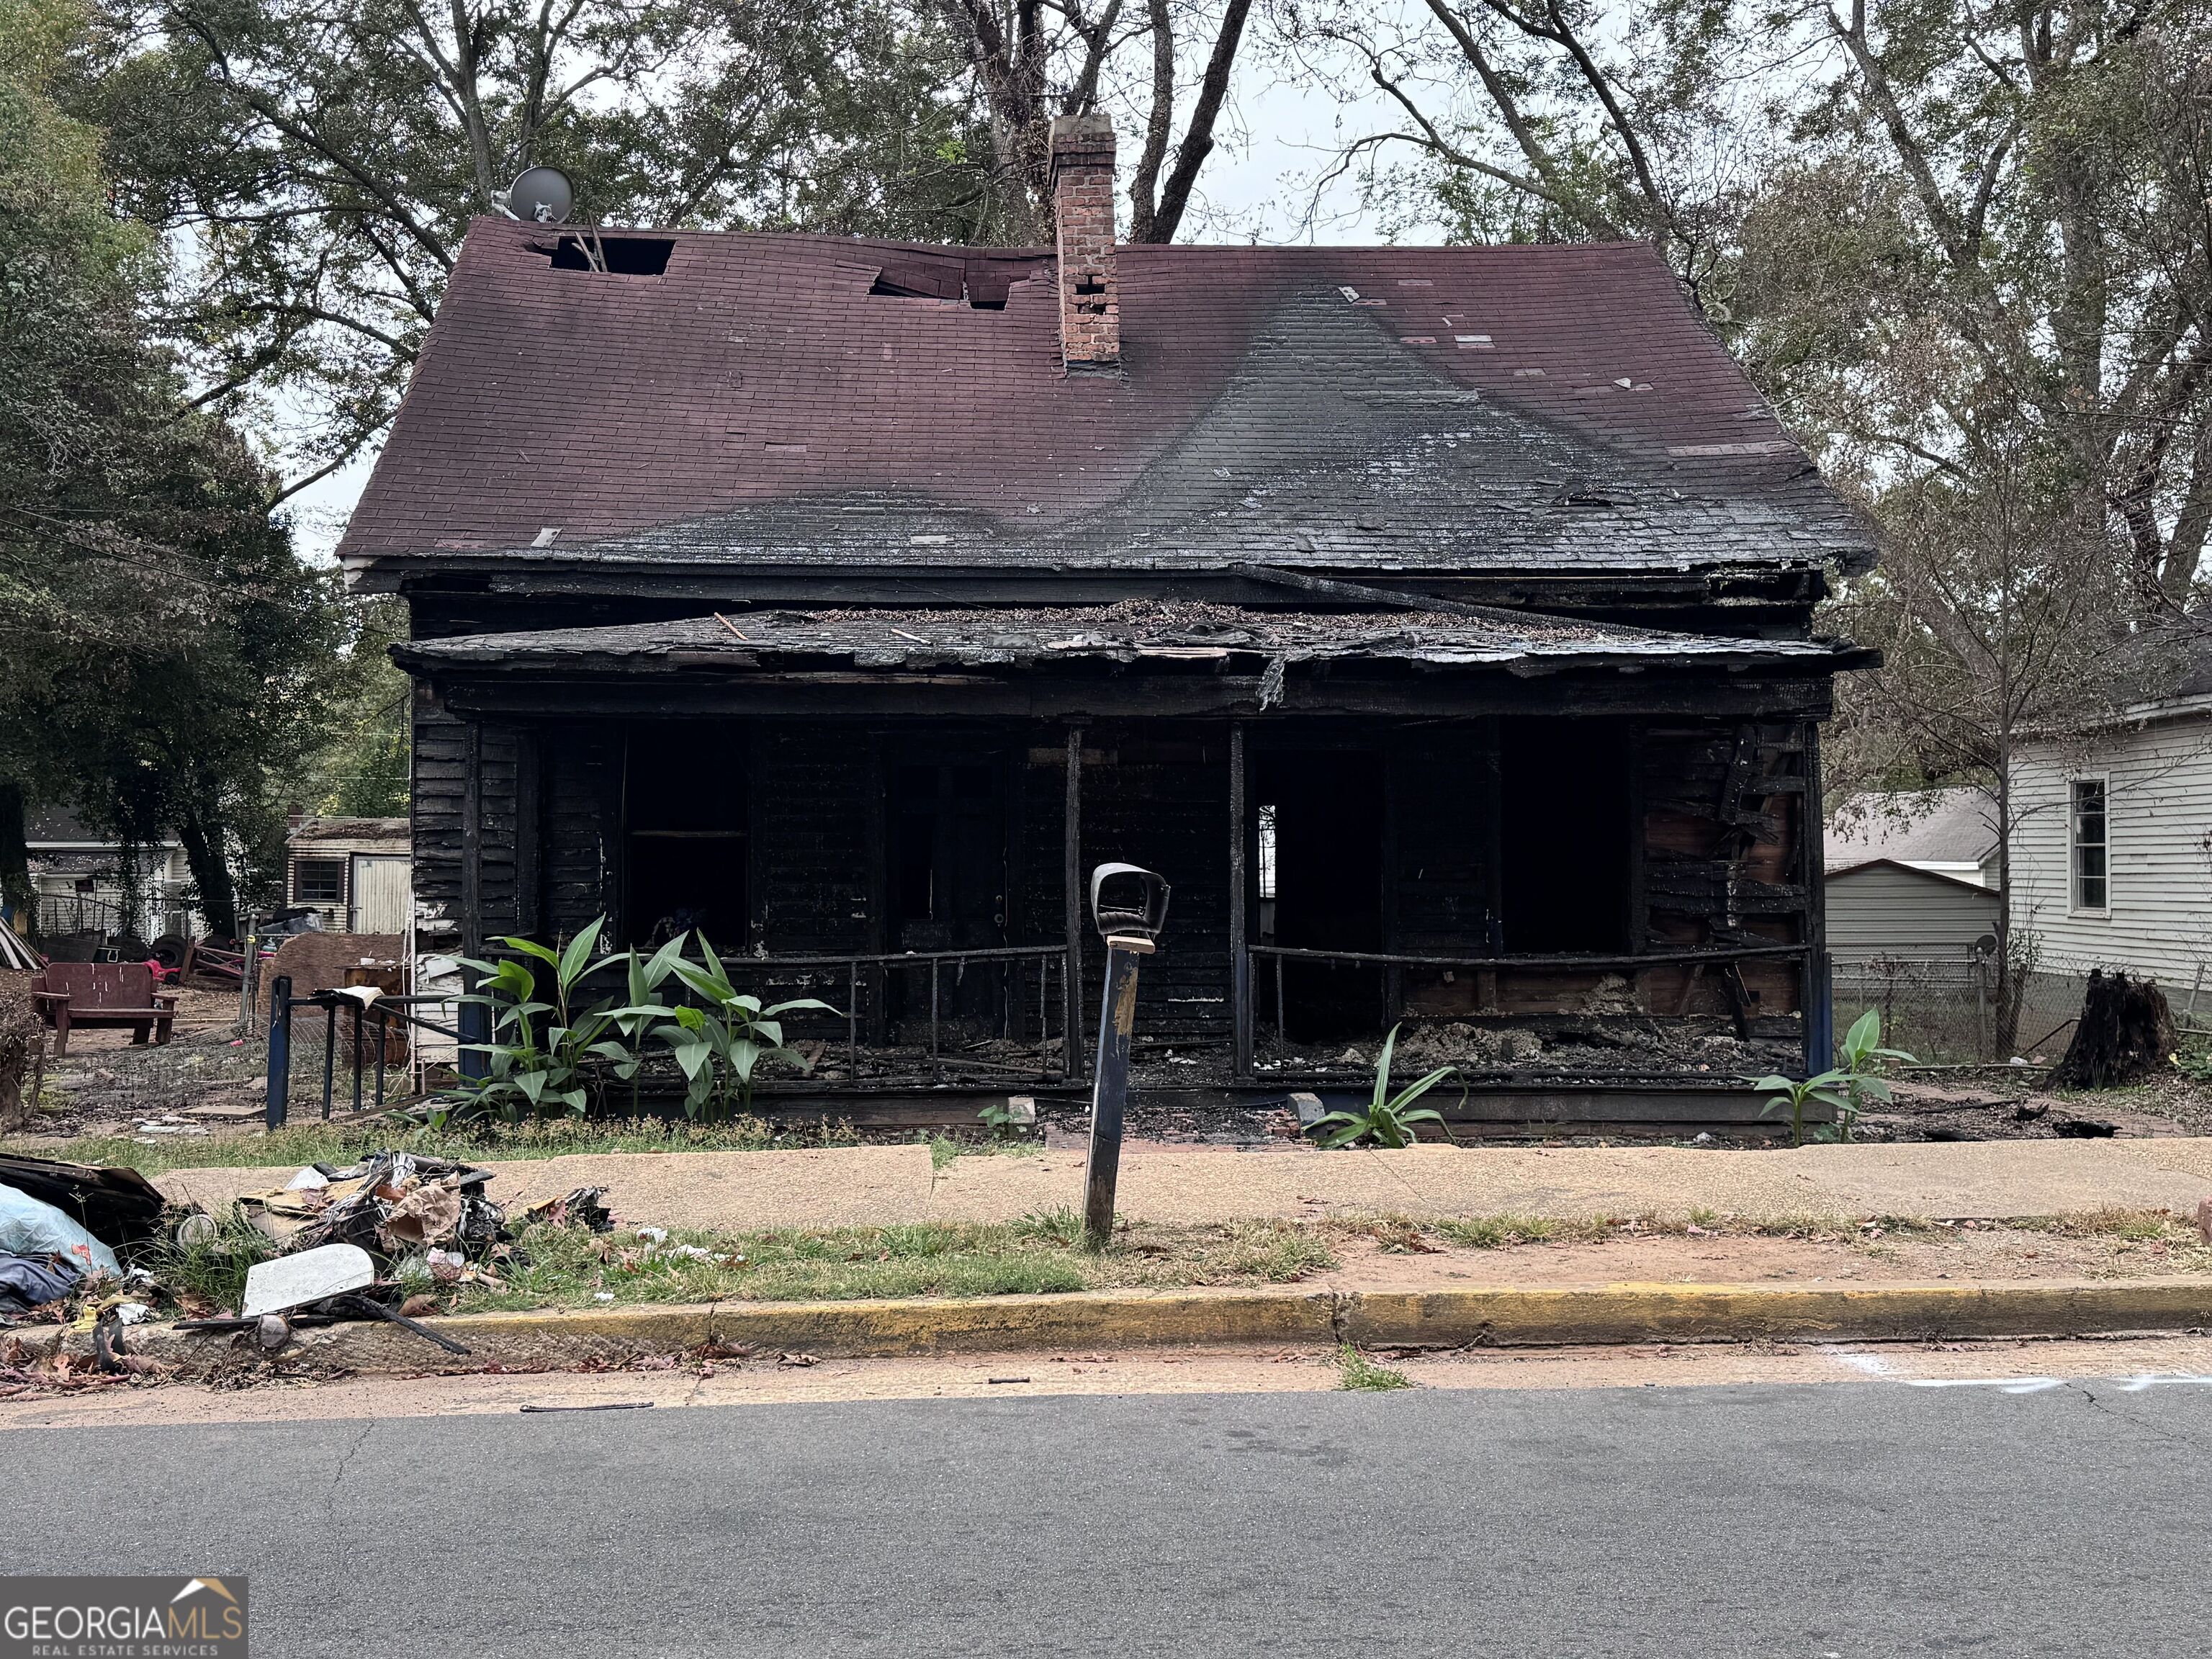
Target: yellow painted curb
1738,1313
1287,1315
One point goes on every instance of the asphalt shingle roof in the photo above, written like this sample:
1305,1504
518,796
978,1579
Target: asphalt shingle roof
1356,410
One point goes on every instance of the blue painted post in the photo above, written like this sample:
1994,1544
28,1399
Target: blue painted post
475,1026
279,1098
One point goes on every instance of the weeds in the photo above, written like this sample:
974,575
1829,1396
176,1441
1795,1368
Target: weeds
1364,1375
210,1269
1497,1232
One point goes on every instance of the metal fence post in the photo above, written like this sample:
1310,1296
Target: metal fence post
278,1101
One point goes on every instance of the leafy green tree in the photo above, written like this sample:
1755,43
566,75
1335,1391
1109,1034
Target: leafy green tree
167,655
322,159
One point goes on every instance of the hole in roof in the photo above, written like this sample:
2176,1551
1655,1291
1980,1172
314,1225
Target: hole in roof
624,256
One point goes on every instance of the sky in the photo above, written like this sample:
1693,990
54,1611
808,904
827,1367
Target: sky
1257,185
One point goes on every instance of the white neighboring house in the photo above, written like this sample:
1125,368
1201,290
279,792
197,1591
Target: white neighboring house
1911,876
2111,859
357,874
75,872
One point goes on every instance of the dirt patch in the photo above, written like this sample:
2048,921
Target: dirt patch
1868,1255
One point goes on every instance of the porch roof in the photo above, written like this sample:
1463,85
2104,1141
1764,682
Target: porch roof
1140,633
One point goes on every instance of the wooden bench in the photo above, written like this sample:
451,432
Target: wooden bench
93,994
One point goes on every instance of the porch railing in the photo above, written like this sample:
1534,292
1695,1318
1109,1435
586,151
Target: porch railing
876,968
1394,963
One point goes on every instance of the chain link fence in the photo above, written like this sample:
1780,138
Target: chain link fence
1944,1012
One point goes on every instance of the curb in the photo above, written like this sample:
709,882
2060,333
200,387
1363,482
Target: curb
1503,1317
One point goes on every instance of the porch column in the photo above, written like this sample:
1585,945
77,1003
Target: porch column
474,1022
1070,1051
1816,996
1240,960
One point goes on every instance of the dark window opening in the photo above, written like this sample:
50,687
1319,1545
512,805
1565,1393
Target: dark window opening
1320,866
1565,839
621,256
319,881
684,813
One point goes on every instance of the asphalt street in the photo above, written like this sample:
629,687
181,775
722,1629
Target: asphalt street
1857,1519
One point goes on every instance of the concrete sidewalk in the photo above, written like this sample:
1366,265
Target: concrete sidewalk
874,1185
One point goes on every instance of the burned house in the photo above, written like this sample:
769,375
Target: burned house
1437,620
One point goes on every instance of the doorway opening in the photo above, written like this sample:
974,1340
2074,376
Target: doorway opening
1565,840
1319,821
684,802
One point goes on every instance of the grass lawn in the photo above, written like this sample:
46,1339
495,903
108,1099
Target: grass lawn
300,1143
568,1268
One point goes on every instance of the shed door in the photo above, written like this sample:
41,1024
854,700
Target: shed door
381,893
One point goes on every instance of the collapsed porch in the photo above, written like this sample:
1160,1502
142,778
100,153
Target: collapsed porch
1558,849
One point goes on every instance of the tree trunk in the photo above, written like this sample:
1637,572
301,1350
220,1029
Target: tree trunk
2124,1034
15,890
202,835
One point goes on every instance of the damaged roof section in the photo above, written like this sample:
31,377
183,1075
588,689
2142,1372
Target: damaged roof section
773,403
1166,634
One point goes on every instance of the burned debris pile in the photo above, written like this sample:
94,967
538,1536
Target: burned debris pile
99,1249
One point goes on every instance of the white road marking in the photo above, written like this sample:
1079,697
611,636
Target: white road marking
2008,1384
2143,1380
1873,1365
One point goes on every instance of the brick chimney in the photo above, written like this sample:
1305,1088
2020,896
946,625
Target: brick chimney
1083,203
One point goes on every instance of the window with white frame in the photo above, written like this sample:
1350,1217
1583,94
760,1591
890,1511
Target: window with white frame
2090,853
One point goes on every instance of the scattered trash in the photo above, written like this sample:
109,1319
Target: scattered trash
118,1206
430,1213
603,1296
33,1281
2084,1128
599,1406
1006,1379
309,1180
654,1235
447,1266
293,1281
198,1228
797,1360
585,1207
29,1226
271,1332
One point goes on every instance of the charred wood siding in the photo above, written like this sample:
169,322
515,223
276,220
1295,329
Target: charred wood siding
817,795
579,770
1724,858
1155,794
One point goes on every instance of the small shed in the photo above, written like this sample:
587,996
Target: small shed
1888,910
355,873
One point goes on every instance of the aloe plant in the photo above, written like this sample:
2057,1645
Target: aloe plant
720,1047
1389,1119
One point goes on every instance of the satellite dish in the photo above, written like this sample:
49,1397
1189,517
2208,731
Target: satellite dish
1986,945
541,196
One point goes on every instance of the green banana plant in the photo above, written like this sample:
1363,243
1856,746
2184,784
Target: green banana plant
1848,1088
718,1047
538,1058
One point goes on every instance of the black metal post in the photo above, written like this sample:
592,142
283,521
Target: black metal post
278,1101
383,1041
1240,940
1117,1020
330,1051
852,1021
356,1057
